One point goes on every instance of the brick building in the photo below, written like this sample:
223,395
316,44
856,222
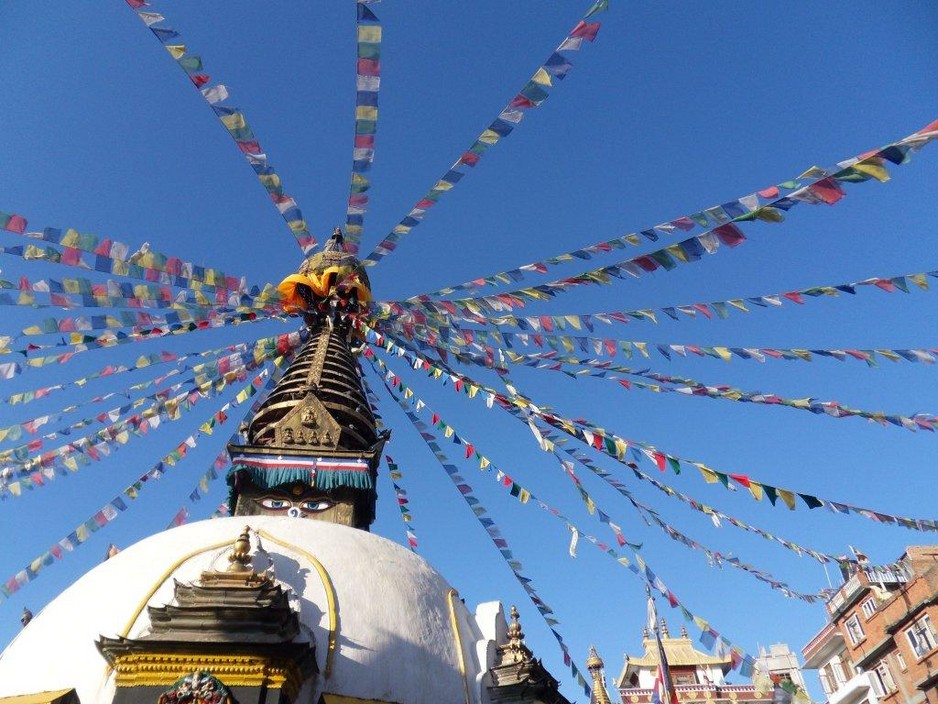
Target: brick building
880,644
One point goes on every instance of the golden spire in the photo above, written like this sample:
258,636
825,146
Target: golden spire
595,666
664,629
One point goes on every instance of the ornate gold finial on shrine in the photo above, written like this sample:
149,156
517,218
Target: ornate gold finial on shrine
240,556
515,634
664,629
595,665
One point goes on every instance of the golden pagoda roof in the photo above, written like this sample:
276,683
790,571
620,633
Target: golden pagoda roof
680,652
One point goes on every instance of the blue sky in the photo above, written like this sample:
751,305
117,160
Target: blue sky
675,108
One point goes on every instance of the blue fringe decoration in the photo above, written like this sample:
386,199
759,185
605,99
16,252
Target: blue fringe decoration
324,479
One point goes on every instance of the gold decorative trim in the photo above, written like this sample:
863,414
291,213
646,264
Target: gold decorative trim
158,669
330,597
451,597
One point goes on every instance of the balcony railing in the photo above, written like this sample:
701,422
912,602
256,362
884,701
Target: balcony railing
844,594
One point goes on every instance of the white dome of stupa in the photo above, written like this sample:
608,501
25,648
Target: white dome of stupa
398,631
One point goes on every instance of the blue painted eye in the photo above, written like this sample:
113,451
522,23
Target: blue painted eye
317,505
275,504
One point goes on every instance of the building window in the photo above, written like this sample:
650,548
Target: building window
869,607
854,630
881,675
921,636
900,661
832,676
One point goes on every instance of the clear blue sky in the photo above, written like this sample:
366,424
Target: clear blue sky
676,107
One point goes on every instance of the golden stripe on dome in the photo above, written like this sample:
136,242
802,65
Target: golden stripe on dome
330,596
451,597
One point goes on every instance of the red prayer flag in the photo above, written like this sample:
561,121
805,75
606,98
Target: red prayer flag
368,67
17,224
729,234
585,30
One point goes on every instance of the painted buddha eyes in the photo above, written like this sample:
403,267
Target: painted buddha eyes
294,509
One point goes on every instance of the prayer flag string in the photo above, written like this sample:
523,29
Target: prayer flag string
117,257
494,533
767,205
616,447
224,366
674,384
448,313
715,558
110,511
233,120
739,658
85,343
531,95
367,85
485,341
100,444
279,342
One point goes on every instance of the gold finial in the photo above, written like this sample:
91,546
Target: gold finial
240,557
595,666
664,629
684,632
515,634
644,632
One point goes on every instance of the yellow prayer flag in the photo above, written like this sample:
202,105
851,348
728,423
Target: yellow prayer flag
448,432
708,474
524,496
890,355
590,506
676,251
756,490
369,33
767,214
442,186
872,169
919,280
786,496
484,462
724,353
542,78
366,112
574,320
177,51
642,347
804,354
738,303
489,137
632,239
234,121
814,172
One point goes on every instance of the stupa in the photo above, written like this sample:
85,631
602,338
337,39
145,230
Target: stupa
291,599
